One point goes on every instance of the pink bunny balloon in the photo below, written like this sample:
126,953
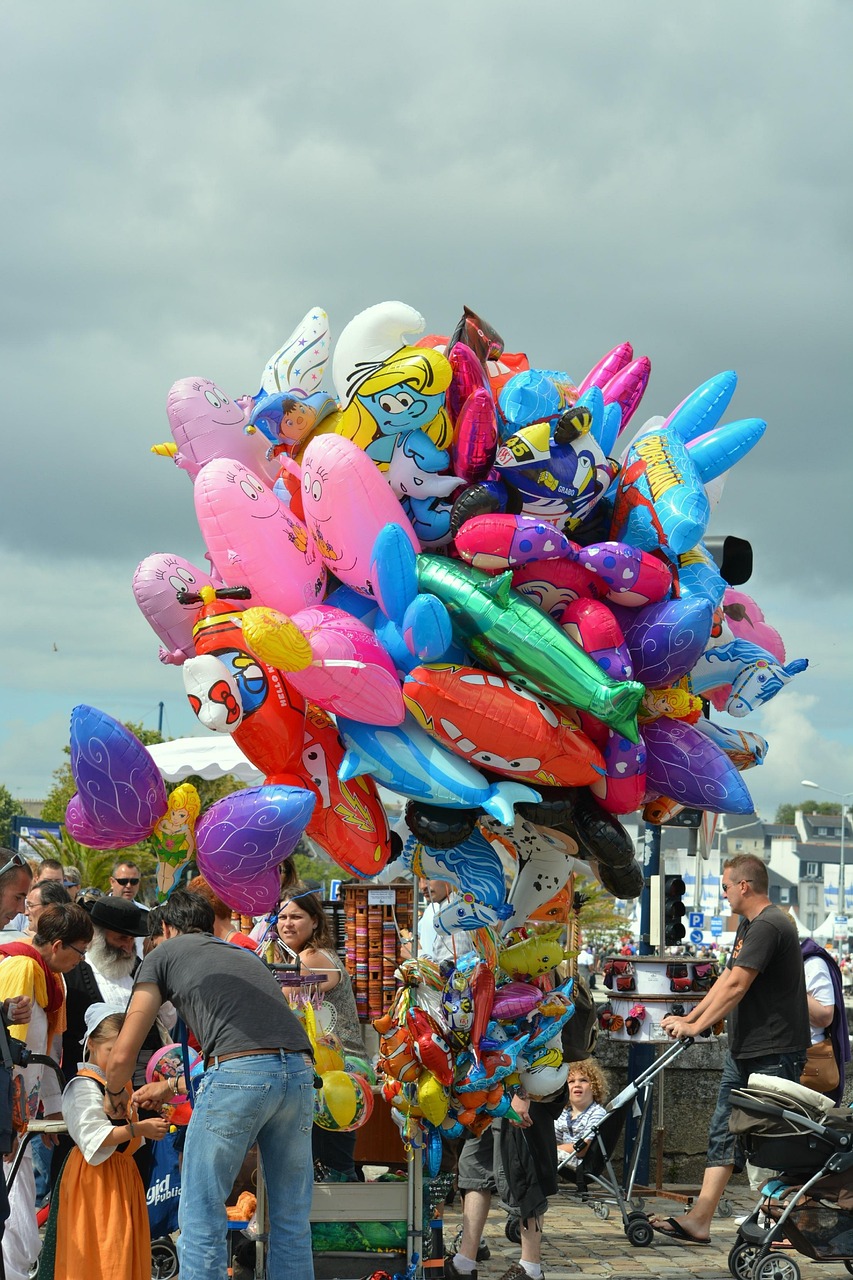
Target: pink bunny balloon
208,424
156,584
347,501
254,540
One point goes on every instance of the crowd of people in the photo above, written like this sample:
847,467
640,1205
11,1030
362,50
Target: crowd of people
101,983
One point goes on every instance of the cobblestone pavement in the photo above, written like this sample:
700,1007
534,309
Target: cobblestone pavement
578,1245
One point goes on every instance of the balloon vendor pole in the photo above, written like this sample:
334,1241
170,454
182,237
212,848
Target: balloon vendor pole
642,1056
414,1155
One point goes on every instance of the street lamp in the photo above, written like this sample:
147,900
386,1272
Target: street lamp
843,796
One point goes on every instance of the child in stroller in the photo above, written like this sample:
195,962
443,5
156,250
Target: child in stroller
809,1206
573,1129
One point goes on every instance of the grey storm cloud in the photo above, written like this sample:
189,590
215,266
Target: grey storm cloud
183,182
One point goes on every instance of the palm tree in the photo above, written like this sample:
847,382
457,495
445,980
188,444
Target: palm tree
94,865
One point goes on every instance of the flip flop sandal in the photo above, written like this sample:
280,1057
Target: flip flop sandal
675,1232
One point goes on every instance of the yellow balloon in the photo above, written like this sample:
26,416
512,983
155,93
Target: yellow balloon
341,1097
327,1058
276,639
433,1098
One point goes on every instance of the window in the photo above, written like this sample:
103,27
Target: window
738,846
823,831
811,899
785,896
812,869
811,922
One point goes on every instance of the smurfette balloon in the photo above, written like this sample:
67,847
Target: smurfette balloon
253,539
347,501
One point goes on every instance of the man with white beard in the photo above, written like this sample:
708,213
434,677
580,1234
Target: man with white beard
106,975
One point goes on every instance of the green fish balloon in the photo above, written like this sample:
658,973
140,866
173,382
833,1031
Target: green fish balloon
506,633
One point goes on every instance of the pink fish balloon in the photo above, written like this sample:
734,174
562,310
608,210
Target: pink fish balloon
347,501
254,540
206,424
156,584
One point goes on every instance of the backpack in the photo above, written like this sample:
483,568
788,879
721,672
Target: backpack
580,1032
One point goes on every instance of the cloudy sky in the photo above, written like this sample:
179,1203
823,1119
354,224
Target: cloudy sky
183,181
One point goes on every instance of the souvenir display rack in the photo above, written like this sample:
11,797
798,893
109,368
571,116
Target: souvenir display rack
374,917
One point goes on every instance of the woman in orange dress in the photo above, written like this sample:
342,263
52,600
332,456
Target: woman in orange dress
98,1224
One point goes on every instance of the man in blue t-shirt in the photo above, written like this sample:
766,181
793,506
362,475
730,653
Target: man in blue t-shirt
762,991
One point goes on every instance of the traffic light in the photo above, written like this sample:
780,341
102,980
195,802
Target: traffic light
674,910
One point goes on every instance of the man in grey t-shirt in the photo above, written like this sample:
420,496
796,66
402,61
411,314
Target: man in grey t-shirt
257,1087
762,990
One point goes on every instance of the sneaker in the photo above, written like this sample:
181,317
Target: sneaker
483,1250
451,1273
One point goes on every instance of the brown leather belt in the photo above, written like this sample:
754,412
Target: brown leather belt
216,1058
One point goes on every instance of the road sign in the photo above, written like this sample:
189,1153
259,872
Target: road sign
697,920
842,927
716,926
696,935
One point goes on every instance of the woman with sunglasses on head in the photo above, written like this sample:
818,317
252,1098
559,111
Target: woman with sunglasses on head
35,969
303,927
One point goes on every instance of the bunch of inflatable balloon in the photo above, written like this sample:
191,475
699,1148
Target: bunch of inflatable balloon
456,579
455,1045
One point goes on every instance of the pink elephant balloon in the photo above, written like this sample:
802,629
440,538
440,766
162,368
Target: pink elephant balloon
208,424
347,501
156,584
254,540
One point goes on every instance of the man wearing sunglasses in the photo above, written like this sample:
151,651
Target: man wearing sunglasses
125,881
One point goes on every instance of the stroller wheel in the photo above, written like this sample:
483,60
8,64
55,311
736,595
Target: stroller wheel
776,1266
164,1260
640,1233
600,1210
724,1209
741,1257
512,1230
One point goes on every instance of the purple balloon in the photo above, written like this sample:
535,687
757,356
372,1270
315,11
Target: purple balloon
80,829
686,766
666,639
120,793
243,839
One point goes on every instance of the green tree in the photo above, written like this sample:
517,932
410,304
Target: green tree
9,809
601,924
785,814
94,865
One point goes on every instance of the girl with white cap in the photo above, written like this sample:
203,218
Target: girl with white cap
98,1224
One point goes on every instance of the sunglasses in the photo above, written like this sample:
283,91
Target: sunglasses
16,860
126,880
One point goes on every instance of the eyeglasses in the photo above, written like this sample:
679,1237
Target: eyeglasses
16,860
70,946
126,880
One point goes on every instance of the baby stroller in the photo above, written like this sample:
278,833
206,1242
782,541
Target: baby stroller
803,1135
596,1165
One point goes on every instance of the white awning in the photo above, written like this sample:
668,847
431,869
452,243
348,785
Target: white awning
211,756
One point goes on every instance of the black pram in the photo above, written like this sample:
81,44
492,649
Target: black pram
802,1134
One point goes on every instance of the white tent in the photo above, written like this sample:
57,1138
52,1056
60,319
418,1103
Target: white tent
211,756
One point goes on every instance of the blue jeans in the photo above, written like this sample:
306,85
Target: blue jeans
723,1146
264,1099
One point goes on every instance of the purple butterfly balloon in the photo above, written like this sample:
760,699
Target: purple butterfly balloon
120,793
686,766
243,839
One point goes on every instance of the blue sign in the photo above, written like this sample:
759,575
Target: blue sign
697,919
716,925
696,935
